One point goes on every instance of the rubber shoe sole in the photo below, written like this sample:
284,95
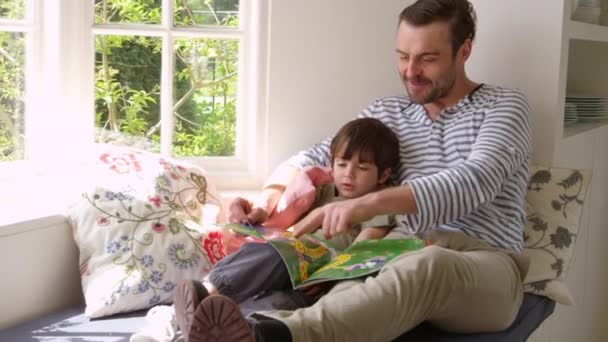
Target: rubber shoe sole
218,319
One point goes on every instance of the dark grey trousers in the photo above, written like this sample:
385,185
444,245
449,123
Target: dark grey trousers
256,277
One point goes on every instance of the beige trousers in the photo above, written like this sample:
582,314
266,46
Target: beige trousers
459,284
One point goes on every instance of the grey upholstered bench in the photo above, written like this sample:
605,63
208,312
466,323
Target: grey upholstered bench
71,325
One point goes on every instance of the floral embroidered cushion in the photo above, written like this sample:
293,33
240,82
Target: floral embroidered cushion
144,224
555,200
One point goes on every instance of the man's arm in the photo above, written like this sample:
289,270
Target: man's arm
500,153
502,146
337,217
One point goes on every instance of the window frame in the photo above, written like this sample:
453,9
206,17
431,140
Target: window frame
64,33
244,170
30,25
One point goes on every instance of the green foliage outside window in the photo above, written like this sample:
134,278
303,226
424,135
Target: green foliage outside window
12,85
12,9
127,79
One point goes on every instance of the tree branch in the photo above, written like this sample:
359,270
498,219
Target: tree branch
7,55
187,95
217,20
189,12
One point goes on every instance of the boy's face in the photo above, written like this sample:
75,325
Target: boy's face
354,177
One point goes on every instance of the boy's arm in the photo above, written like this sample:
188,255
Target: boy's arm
243,210
376,228
372,233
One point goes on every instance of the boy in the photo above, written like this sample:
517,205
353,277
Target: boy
364,154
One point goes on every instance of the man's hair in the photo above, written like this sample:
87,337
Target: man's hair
373,140
458,13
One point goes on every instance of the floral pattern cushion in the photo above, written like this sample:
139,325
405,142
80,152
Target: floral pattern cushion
146,223
555,200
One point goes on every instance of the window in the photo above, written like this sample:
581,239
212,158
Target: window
147,55
183,78
170,77
17,26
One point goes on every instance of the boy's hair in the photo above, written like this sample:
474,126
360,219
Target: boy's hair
373,140
458,13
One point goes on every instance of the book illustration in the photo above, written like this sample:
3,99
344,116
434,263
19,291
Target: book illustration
311,259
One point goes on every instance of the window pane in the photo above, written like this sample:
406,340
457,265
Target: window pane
12,9
12,95
128,11
206,12
127,91
205,97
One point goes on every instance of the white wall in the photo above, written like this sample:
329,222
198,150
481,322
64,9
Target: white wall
507,53
328,60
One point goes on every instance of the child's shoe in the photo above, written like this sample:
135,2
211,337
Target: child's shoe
188,295
160,325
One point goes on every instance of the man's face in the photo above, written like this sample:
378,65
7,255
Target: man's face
427,66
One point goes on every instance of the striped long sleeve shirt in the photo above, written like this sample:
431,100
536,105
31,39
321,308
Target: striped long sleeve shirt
468,169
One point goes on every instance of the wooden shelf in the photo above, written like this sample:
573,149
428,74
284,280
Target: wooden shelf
585,31
581,127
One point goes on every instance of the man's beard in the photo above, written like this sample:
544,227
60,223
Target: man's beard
439,89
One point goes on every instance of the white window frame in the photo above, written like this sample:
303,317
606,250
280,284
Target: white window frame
65,81
31,26
245,169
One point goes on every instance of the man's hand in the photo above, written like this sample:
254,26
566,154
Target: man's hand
336,218
242,210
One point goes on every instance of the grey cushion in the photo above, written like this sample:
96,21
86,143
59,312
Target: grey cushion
71,325
534,310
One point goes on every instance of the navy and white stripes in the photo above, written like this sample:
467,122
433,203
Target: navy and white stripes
468,169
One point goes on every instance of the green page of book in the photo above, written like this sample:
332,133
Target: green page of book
312,260
362,258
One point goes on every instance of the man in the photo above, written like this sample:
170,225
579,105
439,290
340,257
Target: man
465,148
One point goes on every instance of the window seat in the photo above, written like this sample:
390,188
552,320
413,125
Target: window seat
71,325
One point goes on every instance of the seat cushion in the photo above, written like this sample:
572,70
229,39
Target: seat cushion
534,310
72,325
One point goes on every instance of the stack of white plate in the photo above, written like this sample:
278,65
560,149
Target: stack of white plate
570,113
586,108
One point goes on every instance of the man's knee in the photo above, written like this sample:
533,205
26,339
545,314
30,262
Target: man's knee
431,261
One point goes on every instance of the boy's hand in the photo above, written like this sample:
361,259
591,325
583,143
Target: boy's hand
372,233
242,210
316,291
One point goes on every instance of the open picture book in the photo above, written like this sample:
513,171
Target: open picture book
312,260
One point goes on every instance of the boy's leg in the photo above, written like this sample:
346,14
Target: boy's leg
188,295
436,283
252,269
254,276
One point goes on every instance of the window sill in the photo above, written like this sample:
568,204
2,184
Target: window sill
28,196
